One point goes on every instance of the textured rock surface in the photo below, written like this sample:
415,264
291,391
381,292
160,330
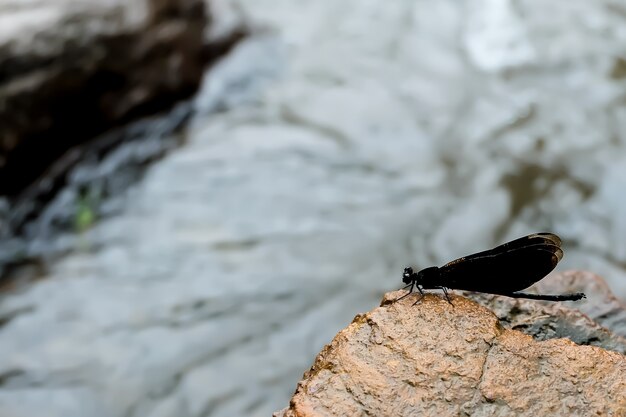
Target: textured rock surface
437,359
601,305
71,69
585,322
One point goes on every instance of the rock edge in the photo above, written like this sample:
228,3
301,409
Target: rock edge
437,359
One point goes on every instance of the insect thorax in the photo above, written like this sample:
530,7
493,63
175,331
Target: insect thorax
428,277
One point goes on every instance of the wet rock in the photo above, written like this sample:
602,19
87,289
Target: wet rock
70,70
437,359
148,343
157,57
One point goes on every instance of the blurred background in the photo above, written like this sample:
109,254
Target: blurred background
196,195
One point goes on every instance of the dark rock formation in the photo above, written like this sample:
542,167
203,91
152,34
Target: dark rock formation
70,70
437,359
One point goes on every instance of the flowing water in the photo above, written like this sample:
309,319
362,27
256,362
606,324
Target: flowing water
351,139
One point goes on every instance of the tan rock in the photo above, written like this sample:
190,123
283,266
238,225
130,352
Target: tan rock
438,359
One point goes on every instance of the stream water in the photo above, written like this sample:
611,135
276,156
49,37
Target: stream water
352,139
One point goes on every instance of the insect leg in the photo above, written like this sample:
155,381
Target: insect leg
408,293
445,292
421,294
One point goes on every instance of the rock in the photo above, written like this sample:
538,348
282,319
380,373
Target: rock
601,305
597,320
437,359
141,346
72,69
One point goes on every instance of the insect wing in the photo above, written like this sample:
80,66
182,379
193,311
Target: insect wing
530,240
503,269
533,239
